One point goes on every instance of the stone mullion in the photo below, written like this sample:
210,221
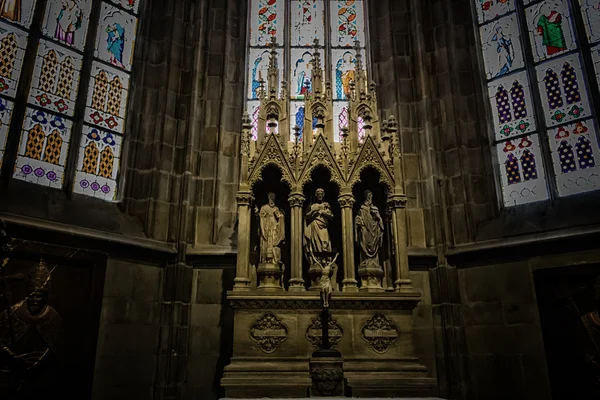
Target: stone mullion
349,283
242,280
296,201
397,203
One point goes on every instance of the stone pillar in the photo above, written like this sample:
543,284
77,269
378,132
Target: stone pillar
242,282
397,203
296,282
349,283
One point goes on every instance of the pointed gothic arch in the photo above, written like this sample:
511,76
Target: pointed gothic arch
48,75
107,159
65,78
35,143
100,91
8,55
90,159
115,96
53,148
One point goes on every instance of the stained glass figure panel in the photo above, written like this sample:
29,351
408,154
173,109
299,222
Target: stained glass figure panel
55,78
258,67
107,98
590,10
115,40
308,22
550,29
297,115
341,117
501,46
17,11
252,108
266,20
43,148
562,89
576,157
343,69
512,107
490,9
98,164
129,5
596,59
347,22
12,48
300,73
521,171
66,21
6,108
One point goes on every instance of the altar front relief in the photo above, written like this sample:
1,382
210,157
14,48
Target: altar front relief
322,223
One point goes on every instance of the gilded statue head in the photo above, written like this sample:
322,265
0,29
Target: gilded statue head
368,197
39,286
271,197
320,194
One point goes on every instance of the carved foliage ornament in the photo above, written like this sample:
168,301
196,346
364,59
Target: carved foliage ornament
370,157
314,332
272,154
346,201
268,332
380,333
296,200
321,155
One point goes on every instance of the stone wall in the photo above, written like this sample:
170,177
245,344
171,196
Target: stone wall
504,339
126,356
502,325
211,332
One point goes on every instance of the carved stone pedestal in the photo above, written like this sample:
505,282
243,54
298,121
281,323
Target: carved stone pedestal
327,373
275,336
371,274
269,277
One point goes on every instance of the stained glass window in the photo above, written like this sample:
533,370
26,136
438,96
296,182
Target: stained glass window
590,10
6,107
55,98
43,148
596,60
335,25
566,132
67,22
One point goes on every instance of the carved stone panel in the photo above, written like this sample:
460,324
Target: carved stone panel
314,332
268,332
380,333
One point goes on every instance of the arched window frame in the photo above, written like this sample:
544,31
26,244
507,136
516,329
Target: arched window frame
286,49
552,179
87,48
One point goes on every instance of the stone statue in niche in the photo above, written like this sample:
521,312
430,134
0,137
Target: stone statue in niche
31,340
591,322
368,227
271,237
272,231
316,230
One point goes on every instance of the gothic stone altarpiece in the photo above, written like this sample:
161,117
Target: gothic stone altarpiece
276,305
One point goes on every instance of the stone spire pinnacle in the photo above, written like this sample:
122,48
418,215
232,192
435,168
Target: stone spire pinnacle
273,71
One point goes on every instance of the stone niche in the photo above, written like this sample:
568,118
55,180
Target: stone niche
53,296
319,215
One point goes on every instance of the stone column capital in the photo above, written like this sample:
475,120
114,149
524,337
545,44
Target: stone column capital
346,201
296,200
397,201
244,198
